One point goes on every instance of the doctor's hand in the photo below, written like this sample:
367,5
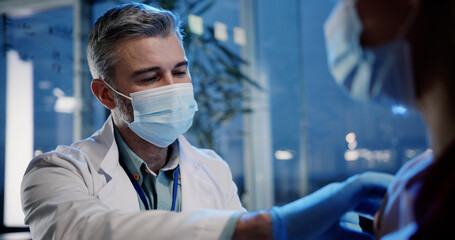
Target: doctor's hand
321,214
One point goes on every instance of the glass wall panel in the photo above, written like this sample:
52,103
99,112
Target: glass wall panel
38,61
319,134
279,60
2,113
346,136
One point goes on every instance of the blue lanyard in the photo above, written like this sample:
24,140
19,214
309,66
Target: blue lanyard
176,185
141,193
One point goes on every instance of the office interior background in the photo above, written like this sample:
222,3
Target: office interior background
268,104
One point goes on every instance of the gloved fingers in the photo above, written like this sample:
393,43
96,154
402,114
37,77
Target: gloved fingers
367,208
349,234
341,231
373,184
313,214
380,178
350,218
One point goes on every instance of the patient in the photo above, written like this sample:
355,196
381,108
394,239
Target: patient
403,51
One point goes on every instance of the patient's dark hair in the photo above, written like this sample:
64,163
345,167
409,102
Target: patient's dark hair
434,207
434,42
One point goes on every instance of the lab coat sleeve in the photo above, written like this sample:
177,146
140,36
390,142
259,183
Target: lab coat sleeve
59,202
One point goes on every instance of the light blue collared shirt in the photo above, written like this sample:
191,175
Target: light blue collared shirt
158,189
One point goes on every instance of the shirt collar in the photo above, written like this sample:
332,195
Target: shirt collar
173,161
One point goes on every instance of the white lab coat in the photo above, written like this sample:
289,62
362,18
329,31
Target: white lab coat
82,192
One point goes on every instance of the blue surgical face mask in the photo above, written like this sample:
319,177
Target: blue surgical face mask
382,74
162,114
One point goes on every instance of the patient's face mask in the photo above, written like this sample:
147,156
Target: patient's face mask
382,74
162,114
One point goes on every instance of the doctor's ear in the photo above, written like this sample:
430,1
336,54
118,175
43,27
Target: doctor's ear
103,93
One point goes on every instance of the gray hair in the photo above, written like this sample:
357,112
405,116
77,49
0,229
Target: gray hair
130,20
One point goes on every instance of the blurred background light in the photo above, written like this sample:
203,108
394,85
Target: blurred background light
196,24
221,33
399,109
239,36
284,155
350,137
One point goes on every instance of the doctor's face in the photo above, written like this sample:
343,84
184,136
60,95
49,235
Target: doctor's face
146,63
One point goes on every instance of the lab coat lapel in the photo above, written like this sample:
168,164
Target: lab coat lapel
118,193
197,191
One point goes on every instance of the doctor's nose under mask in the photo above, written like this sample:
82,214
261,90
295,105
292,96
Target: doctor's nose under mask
162,114
382,74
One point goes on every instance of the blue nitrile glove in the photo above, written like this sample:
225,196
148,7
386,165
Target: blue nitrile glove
319,213
348,226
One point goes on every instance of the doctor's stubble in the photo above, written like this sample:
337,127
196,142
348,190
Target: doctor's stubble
123,109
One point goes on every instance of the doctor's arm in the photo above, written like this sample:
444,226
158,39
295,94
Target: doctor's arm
59,201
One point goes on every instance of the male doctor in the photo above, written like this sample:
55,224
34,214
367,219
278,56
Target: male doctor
139,178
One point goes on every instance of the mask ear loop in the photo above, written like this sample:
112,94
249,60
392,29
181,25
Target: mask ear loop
119,93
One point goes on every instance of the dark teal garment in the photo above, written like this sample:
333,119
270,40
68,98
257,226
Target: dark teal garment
159,188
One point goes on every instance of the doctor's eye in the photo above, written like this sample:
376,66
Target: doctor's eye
150,79
180,73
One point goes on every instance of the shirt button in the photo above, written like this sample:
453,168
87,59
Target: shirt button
136,177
